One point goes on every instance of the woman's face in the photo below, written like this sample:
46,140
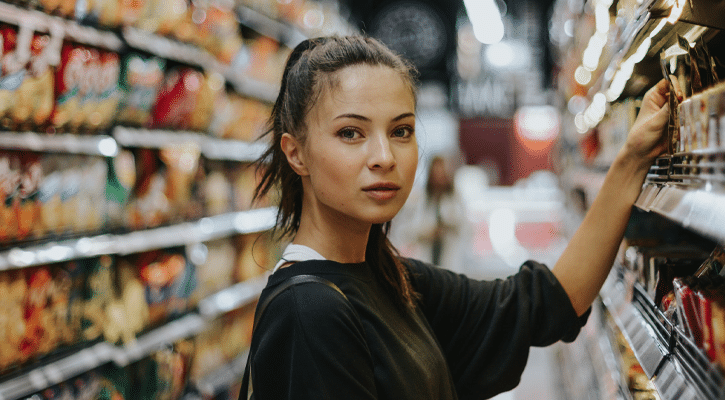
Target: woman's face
361,152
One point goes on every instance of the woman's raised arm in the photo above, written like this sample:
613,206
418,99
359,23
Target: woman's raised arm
587,259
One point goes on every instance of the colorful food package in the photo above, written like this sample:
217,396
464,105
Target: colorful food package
212,87
98,293
40,335
167,18
127,314
28,215
119,188
14,287
186,99
87,89
182,165
49,194
217,30
688,307
69,75
149,205
172,369
141,78
33,100
170,281
107,91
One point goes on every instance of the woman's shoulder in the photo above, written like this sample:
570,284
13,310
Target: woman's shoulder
305,302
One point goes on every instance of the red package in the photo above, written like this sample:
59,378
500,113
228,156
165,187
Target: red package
40,336
689,307
708,341
177,99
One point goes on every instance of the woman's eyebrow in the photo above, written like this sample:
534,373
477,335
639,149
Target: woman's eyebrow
364,118
353,116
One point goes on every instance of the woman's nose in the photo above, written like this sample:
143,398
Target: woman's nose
381,155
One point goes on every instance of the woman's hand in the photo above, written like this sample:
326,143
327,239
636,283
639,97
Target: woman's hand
647,138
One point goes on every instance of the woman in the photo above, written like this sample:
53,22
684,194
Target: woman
344,156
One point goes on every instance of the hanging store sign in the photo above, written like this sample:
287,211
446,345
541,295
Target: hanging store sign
487,97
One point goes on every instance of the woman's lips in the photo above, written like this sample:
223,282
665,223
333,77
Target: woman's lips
382,191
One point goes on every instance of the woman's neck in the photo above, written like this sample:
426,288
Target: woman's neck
333,236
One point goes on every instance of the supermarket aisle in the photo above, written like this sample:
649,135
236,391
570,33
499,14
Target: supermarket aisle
505,226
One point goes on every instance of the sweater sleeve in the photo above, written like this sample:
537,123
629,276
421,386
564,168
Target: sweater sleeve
311,345
486,327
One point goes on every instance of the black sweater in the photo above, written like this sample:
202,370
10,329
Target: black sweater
467,339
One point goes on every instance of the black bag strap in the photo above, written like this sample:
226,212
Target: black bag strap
287,283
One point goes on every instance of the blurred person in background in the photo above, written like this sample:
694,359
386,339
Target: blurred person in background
429,226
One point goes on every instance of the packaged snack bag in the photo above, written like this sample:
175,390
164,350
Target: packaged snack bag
40,335
212,87
141,79
108,94
88,90
68,77
15,56
689,309
33,102
182,163
119,187
12,320
28,216
98,293
177,99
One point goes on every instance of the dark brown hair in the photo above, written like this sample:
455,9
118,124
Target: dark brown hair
310,70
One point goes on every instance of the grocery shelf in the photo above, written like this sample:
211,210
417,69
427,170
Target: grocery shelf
233,297
157,339
211,147
223,377
205,229
166,48
280,31
698,209
42,22
678,369
58,371
193,55
699,12
98,145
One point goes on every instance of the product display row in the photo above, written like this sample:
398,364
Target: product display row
59,86
55,314
662,299
50,196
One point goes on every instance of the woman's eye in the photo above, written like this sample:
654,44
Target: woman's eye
348,134
403,132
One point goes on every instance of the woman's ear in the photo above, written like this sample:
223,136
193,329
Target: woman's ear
293,151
